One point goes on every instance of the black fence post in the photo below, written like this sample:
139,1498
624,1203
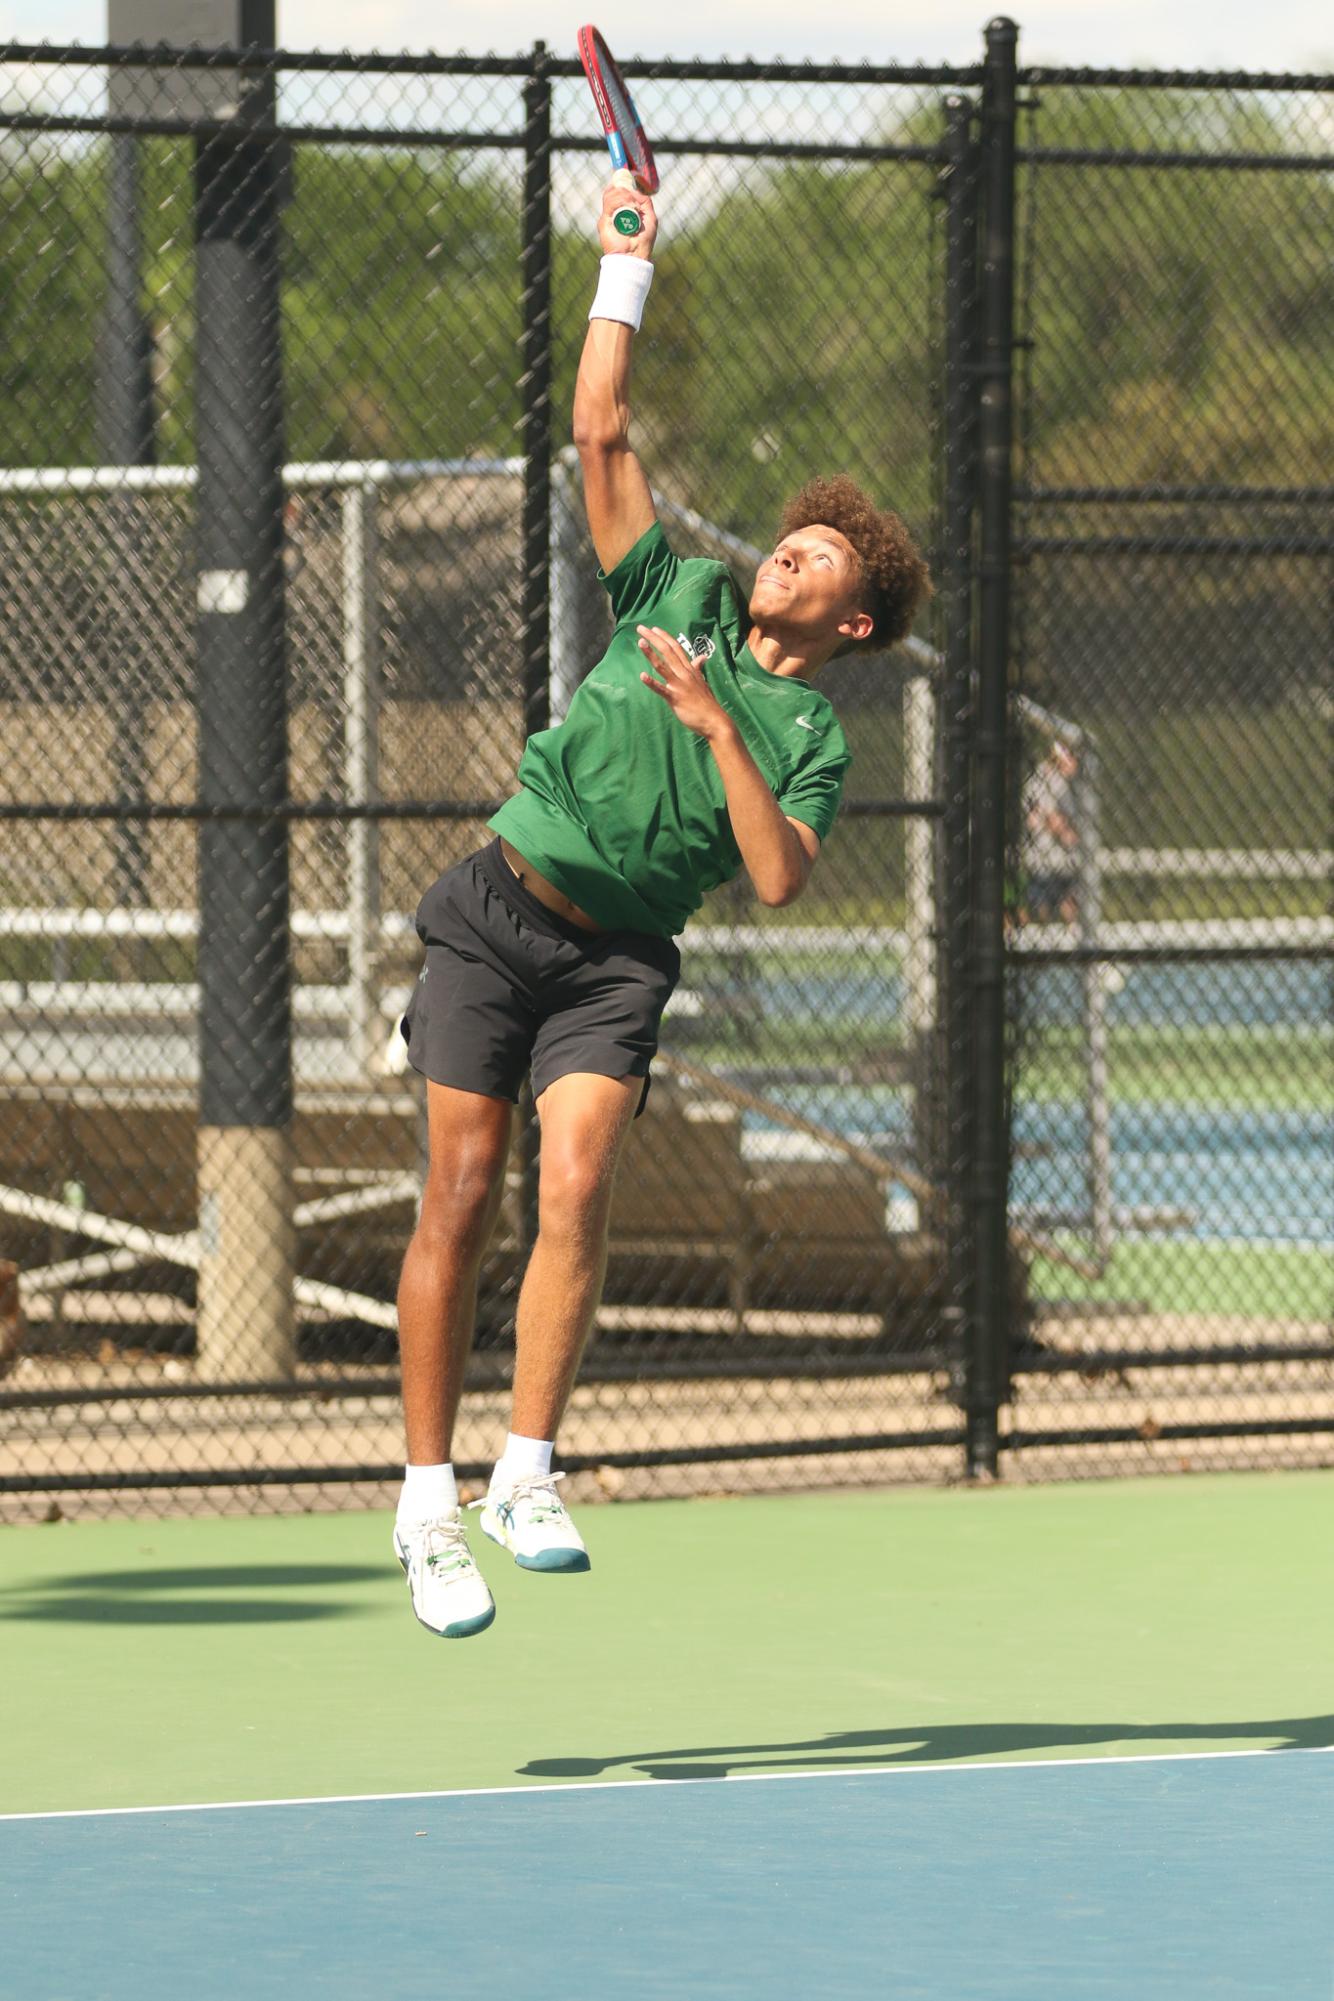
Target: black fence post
246,1323
535,390
988,1346
957,580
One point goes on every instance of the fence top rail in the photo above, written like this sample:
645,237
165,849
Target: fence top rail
1039,75
743,69
435,137
1198,158
57,480
1233,864
535,61
333,926
1221,495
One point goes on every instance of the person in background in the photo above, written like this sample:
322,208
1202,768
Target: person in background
1051,839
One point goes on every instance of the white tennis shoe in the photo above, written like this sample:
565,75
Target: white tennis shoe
530,1519
449,1593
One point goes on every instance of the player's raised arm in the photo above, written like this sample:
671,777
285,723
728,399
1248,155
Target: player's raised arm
616,493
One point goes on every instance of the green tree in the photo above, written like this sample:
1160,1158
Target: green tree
51,266
1177,315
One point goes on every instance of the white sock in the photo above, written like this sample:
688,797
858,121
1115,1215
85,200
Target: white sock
521,1457
428,1492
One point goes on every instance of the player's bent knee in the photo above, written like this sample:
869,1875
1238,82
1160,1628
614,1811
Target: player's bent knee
574,1191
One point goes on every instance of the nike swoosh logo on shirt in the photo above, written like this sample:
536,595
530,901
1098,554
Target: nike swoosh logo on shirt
804,724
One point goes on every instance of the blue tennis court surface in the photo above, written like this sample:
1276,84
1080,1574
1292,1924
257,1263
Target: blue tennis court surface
1155,1879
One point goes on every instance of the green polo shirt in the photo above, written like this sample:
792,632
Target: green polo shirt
623,807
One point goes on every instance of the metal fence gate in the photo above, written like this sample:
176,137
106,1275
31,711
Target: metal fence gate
1007,1149
1172,724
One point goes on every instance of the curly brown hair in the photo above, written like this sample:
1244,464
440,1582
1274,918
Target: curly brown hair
893,568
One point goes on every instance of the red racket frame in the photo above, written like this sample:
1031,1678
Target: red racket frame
629,150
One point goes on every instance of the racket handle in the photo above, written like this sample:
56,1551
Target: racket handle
626,221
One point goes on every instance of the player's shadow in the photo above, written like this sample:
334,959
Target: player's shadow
202,1595
934,1744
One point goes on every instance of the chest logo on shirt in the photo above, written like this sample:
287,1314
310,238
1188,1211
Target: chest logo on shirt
805,723
700,649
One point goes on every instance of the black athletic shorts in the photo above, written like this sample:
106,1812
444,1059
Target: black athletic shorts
508,986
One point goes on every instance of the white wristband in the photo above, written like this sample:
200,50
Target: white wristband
622,289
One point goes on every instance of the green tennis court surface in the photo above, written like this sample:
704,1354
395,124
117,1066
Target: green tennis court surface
875,1658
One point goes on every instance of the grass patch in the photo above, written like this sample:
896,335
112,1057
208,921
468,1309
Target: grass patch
1254,1068
1253,1281
97,961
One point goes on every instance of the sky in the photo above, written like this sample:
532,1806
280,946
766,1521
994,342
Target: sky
1194,34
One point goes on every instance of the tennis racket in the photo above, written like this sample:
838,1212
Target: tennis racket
627,141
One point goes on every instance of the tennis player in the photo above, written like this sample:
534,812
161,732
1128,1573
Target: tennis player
697,747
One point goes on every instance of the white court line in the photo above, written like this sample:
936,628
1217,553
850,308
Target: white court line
899,1769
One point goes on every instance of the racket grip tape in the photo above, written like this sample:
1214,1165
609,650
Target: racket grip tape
626,221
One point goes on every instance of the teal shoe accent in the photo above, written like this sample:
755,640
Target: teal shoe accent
555,1559
463,1629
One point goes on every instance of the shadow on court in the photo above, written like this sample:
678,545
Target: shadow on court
932,1744
225,1594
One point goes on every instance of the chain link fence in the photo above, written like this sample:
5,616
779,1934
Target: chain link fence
987,1154
1170,946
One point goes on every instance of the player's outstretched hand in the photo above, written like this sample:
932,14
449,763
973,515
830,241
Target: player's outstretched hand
682,685
623,192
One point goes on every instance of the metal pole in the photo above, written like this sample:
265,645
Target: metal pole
581,608
125,427
1087,820
247,1237
535,390
361,679
124,359
919,734
956,712
564,592
988,1358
